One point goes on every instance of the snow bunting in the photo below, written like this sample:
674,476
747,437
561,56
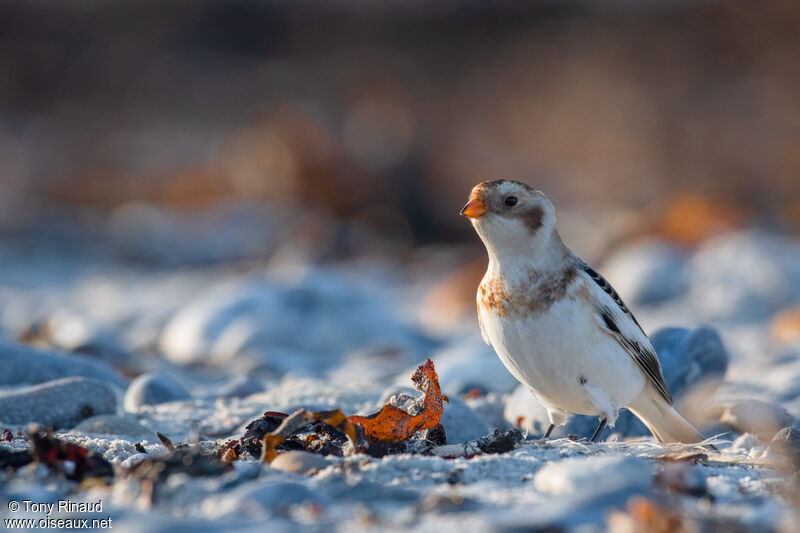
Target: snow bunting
557,325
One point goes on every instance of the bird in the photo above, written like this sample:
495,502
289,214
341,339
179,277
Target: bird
557,325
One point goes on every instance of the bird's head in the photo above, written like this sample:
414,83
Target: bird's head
511,218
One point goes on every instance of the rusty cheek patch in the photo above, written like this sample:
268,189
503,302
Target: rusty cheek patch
533,218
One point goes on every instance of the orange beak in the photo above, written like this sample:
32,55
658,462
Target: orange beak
474,208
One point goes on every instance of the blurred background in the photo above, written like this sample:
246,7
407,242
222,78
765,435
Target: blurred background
191,134
226,207
387,113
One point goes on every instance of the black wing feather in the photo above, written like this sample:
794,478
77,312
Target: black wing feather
644,356
608,289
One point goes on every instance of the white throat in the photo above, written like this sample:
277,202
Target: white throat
514,261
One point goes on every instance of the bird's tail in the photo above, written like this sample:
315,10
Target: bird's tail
663,421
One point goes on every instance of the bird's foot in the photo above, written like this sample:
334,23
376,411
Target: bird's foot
546,434
599,430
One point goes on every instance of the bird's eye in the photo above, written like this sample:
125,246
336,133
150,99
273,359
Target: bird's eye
511,201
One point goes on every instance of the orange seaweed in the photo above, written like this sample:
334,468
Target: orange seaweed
391,424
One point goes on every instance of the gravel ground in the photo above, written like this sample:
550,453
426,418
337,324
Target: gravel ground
114,352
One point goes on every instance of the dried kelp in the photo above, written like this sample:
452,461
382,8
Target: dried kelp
392,424
71,460
391,430
496,442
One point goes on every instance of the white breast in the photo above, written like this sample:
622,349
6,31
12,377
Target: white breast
564,357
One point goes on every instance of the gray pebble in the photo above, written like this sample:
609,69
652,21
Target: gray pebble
299,462
152,389
61,403
260,499
647,272
763,419
240,387
255,323
365,492
23,365
786,443
114,425
489,408
590,475
689,355
583,490
461,423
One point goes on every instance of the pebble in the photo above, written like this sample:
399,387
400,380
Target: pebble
461,423
786,443
302,326
682,477
299,462
240,387
365,492
763,419
75,333
260,499
593,475
489,408
647,272
746,275
151,389
124,426
61,403
689,356
226,232
23,365
523,410
374,366
470,364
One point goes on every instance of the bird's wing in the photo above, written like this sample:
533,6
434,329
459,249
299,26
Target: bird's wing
616,319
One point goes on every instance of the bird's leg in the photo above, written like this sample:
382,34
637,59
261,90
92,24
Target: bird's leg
549,430
600,428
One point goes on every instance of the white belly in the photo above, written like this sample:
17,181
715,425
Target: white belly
564,357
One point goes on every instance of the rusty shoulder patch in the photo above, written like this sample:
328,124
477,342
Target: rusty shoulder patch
550,290
492,295
533,297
